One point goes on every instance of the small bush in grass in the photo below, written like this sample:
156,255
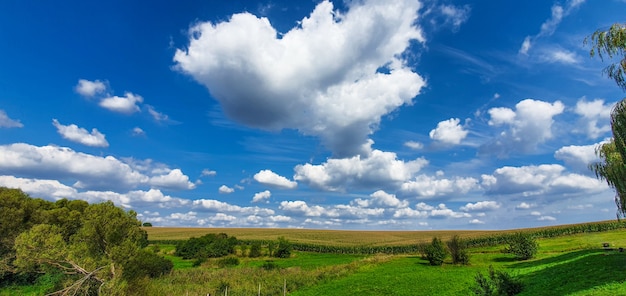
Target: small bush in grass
522,245
498,283
228,261
458,250
436,252
269,265
255,250
284,248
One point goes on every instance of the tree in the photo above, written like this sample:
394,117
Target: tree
522,245
458,250
612,167
612,44
283,250
146,224
436,252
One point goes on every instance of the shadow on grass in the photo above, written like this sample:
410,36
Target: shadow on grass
572,272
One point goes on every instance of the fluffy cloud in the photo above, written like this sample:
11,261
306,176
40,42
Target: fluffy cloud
7,122
433,186
261,196
443,212
225,189
529,125
219,206
208,173
379,169
525,206
84,170
414,145
88,88
174,179
595,117
449,132
300,207
481,206
578,157
137,132
80,135
126,104
382,199
454,15
538,180
326,68
268,177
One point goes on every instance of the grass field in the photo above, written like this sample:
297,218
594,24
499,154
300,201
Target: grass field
565,265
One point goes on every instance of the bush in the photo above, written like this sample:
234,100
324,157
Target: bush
269,265
499,283
436,252
228,261
207,246
458,250
146,263
284,248
522,245
255,250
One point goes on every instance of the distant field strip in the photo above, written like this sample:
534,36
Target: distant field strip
349,238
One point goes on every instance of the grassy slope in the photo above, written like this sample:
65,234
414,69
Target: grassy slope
565,266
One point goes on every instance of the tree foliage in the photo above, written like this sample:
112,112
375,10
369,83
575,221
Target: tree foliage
497,283
612,44
207,246
522,245
458,250
98,246
283,249
436,252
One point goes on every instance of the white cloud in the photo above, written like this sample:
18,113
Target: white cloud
39,188
7,122
454,15
560,56
578,157
268,177
476,221
595,117
137,131
443,212
326,68
546,218
158,116
225,189
208,173
126,104
379,169
60,163
481,206
381,198
88,88
525,206
529,125
219,206
433,186
449,132
80,135
262,196
539,180
174,179
558,12
302,208
414,145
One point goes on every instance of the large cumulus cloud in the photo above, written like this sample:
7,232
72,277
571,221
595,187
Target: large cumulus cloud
322,77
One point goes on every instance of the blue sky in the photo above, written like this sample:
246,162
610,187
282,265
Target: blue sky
310,114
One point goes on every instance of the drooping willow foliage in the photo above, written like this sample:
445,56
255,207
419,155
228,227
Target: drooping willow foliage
612,167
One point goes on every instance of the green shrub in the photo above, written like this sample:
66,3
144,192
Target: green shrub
498,283
255,250
228,261
283,250
436,252
146,263
522,245
458,250
269,265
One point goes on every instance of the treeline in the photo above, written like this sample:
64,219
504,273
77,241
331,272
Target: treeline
91,249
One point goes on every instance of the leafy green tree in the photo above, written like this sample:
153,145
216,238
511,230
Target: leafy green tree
497,283
458,250
283,250
612,44
436,252
146,224
255,250
522,245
